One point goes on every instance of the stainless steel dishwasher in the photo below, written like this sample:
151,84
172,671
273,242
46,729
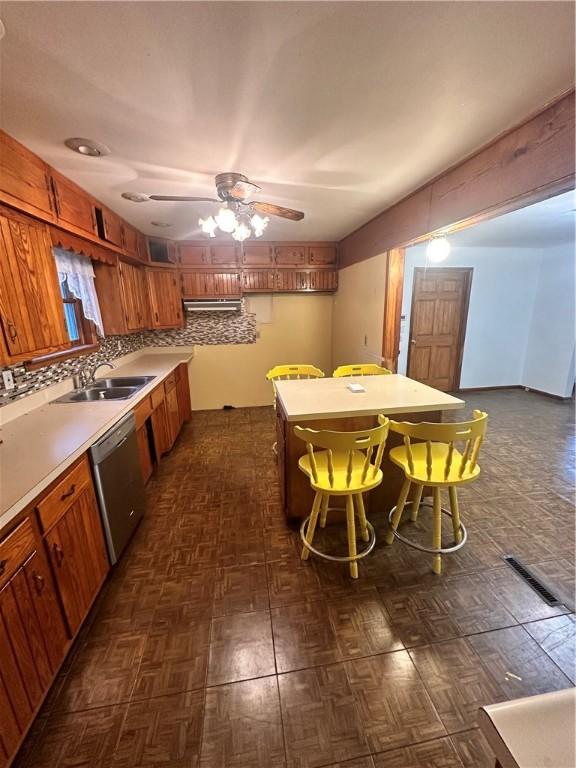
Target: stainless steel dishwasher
119,484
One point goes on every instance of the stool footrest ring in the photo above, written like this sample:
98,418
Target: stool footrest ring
366,551
420,547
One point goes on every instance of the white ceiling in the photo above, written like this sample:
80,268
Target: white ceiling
550,222
335,108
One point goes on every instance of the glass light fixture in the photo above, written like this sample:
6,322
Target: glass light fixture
208,226
226,220
259,224
438,248
241,232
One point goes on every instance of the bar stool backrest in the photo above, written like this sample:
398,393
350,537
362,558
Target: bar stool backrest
294,372
365,369
471,433
371,441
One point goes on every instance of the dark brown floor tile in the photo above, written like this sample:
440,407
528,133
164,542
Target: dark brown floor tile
175,656
303,636
517,663
559,575
394,707
457,682
240,648
103,673
188,559
281,543
321,721
85,738
362,626
244,547
473,749
358,762
557,636
164,731
242,726
433,754
241,589
518,598
292,582
195,588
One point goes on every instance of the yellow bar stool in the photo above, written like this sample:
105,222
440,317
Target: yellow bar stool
348,466
367,369
284,372
437,463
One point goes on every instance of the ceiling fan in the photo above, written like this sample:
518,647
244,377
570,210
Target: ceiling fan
239,215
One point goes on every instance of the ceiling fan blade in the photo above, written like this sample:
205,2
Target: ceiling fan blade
269,209
242,190
184,199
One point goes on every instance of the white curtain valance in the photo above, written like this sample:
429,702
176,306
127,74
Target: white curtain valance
78,272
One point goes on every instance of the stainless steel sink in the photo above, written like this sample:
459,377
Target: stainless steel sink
121,381
97,393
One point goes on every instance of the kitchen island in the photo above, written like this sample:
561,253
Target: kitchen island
329,404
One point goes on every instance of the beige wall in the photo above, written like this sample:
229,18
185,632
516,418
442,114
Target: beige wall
300,332
358,316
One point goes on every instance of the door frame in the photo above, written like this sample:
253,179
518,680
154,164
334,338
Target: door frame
468,272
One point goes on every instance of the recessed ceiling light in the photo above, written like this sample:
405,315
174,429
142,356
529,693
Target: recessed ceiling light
135,197
160,224
87,147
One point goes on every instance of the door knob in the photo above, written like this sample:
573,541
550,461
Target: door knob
412,341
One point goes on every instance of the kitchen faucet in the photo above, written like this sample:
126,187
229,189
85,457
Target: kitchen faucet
86,377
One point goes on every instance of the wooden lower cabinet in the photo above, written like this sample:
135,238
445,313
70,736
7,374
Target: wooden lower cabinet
173,415
183,391
78,556
144,452
159,424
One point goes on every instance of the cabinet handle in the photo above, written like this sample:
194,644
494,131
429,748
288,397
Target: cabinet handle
38,582
58,553
3,564
69,492
11,330
156,316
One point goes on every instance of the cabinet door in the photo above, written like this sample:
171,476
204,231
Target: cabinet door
160,433
130,240
322,255
258,280
112,227
257,255
31,307
183,391
194,284
292,280
144,452
24,178
73,205
224,255
193,255
144,300
173,414
165,299
290,255
225,284
132,296
78,555
323,279
143,247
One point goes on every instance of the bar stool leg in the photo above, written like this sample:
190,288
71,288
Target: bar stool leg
437,531
351,535
455,514
324,510
399,509
416,503
362,517
312,524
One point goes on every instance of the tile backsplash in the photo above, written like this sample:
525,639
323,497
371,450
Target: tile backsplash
201,328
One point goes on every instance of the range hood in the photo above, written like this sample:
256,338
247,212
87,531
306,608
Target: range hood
213,305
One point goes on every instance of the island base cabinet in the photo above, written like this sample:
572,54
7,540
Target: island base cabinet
183,391
78,556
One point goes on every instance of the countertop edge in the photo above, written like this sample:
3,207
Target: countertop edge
7,516
393,410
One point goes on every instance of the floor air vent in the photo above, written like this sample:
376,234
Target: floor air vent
532,581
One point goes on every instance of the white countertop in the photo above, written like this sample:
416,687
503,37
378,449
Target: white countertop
310,399
38,446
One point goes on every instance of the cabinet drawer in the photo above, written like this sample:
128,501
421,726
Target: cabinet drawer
170,382
157,397
60,498
15,549
142,411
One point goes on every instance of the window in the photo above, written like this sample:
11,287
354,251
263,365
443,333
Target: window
81,309
80,330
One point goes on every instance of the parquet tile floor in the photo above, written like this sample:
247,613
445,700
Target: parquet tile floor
214,646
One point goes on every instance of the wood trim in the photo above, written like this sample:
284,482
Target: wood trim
56,357
393,290
505,387
531,162
62,239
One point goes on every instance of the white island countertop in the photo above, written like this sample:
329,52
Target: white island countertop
41,444
312,399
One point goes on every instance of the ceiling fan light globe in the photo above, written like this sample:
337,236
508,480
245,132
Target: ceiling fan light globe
438,249
259,223
241,233
208,226
226,220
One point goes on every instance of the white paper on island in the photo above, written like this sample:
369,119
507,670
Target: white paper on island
356,387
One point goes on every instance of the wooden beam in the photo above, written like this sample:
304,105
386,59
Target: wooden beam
531,162
393,308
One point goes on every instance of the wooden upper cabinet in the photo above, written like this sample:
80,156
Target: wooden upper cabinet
165,298
24,179
226,284
290,255
204,284
73,205
110,227
258,280
322,255
31,307
257,255
143,254
194,255
224,255
131,240
292,280
134,296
